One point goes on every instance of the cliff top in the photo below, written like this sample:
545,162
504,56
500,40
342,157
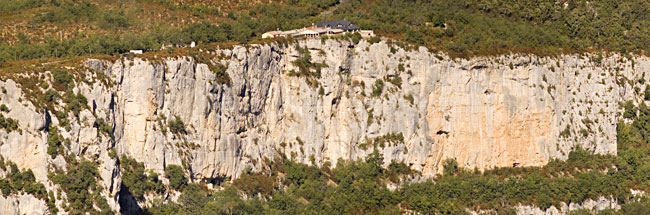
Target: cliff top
32,29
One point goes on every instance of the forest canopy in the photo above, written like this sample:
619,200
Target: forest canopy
477,27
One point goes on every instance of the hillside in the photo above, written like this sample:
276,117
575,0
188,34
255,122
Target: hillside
455,107
44,28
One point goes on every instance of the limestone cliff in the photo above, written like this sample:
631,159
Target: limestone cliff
416,106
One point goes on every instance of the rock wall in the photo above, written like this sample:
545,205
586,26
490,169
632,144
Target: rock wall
590,205
485,112
22,204
593,206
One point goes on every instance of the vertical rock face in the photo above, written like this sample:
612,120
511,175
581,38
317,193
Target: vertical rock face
412,105
484,112
22,204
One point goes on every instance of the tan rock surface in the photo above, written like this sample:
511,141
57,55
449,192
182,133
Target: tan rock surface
485,112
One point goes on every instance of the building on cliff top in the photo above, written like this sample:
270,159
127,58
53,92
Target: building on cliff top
339,24
271,34
320,29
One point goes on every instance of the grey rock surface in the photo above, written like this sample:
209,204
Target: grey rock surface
485,112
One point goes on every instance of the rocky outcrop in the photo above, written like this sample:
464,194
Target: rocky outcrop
22,204
592,206
589,205
416,106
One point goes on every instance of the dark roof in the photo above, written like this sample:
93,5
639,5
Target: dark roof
338,24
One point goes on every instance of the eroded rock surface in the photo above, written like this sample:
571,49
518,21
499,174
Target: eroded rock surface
485,112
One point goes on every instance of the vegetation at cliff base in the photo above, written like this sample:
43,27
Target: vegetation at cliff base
176,176
136,181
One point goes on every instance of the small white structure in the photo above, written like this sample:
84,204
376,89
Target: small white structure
367,33
136,51
193,44
290,32
320,29
271,34
317,32
308,33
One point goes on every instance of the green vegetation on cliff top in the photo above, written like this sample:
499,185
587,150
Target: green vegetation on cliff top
461,27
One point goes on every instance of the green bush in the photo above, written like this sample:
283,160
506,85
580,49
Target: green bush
566,132
75,103
219,71
17,181
630,110
4,108
62,80
255,183
409,98
450,167
305,66
15,5
177,126
115,20
205,32
8,124
81,188
50,96
378,88
71,12
395,80
54,142
103,127
136,181
176,175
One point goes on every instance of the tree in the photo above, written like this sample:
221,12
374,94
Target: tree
450,167
630,110
177,126
135,180
176,175
378,88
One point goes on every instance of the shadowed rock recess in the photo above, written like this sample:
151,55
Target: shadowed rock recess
414,106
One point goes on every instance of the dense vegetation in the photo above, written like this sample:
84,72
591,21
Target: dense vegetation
10,5
83,194
241,27
135,181
469,27
463,28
